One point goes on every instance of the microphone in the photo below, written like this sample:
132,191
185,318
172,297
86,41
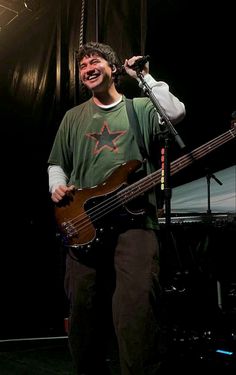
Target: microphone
139,63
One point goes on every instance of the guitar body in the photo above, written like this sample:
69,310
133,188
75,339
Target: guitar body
81,214
77,214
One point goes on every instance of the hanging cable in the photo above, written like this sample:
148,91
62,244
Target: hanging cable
81,32
97,21
82,89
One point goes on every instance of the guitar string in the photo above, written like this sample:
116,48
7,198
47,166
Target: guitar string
139,183
125,195
143,182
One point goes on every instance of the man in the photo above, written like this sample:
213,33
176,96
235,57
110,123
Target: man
120,277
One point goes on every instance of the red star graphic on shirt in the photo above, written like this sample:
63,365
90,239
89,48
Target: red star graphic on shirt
106,139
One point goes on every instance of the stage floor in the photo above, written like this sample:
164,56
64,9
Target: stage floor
188,354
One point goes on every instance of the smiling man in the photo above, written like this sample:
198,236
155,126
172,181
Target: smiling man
118,281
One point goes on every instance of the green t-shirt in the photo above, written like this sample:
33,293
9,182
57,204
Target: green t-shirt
92,142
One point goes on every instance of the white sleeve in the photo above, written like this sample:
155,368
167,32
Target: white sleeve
172,106
56,177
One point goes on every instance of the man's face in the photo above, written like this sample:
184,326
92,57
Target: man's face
95,73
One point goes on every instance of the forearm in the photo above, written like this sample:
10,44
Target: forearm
56,177
173,107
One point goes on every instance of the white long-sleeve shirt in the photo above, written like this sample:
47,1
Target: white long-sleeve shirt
172,106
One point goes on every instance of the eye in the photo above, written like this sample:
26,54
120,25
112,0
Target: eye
95,61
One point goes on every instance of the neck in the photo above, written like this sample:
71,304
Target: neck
107,97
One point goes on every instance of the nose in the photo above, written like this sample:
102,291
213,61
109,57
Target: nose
89,68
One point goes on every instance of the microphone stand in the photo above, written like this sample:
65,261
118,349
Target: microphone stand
208,177
171,132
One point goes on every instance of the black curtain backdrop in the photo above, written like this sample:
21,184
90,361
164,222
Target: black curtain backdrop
38,84
190,48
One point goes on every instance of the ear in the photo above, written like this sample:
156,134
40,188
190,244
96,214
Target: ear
113,68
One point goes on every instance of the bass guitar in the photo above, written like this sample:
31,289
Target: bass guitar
80,215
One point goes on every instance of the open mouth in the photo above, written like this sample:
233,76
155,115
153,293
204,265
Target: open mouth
92,77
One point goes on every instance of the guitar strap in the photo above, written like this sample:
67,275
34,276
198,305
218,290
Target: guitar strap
133,119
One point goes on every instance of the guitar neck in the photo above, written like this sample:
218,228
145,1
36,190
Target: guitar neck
133,191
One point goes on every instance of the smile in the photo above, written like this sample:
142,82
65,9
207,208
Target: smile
92,77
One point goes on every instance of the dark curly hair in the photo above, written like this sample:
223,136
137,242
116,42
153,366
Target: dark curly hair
103,50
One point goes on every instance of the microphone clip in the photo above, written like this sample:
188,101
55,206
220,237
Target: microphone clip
140,63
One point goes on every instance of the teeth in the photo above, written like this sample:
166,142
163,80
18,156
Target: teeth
92,77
